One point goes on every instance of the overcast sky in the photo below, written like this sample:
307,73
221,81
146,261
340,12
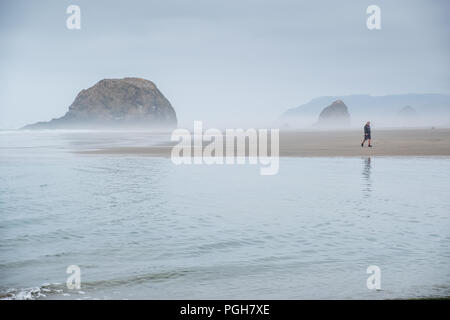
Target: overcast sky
219,61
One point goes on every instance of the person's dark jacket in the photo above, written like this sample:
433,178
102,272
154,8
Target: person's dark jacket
367,131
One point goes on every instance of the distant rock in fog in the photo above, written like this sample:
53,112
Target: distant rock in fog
335,114
407,116
116,104
432,110
406,112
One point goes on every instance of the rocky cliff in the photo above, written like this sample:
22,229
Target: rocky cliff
116,103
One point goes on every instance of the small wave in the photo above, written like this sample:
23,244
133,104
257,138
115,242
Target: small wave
32,293
58,290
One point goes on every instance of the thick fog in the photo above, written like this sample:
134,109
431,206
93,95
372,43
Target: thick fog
227,63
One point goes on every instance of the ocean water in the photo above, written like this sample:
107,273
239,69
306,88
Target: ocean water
142,228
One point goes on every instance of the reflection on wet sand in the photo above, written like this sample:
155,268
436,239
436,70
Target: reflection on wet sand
366,176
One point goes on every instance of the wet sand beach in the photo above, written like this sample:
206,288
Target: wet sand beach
345,143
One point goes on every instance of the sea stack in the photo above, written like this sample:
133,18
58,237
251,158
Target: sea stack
406,116
406,112
335,115
116,104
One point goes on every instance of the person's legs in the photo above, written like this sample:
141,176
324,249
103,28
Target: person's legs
362,143
370,145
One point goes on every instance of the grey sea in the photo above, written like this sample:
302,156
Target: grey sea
140,227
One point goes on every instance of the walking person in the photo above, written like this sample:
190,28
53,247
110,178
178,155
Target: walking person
366,134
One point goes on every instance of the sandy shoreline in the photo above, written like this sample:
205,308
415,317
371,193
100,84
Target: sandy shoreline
402,142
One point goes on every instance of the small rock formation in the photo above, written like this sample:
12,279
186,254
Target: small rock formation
335,114
406,116
406,112
116,104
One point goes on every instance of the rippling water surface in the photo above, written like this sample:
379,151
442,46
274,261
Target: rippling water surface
141,227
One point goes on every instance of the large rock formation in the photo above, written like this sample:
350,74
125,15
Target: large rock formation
116,103
335,114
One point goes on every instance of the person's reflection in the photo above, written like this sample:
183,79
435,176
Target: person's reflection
366,175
